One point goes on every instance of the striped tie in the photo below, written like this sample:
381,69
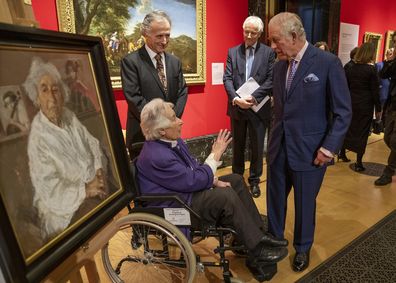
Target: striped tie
292,72
160,70
249,61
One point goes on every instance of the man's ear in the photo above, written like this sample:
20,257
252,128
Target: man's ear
162,132
294,36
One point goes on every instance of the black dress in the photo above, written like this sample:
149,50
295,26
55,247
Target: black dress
363,82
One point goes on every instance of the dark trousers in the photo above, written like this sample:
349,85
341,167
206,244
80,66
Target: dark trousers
256,129
390,140
231,207
280,179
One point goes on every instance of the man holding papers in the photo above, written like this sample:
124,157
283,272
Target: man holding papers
248,83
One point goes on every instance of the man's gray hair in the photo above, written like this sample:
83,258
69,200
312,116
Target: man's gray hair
38,69
256,21
289,23
156,15
153,118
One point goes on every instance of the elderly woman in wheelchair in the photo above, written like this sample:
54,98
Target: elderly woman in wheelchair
166,167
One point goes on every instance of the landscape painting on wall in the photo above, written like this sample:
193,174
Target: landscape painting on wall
118,24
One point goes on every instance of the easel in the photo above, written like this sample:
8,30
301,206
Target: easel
18,12
70,269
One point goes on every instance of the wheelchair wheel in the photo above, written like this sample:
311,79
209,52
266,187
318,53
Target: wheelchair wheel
147,248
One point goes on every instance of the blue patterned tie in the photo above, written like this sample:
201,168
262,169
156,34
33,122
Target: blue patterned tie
292,72
249,61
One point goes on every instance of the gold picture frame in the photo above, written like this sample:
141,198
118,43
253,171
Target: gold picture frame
374,38
388,40
193,56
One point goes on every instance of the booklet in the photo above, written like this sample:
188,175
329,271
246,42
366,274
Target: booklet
247,89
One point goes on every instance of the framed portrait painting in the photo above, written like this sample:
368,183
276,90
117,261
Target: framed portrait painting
118,24
63,163
388,41
374,38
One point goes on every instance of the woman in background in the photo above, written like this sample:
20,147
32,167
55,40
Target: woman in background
322,45
363,84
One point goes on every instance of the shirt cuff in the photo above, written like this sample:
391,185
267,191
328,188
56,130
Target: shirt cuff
233,101
326,152
213,164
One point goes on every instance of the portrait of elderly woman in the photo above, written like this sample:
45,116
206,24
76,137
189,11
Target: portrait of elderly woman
65,160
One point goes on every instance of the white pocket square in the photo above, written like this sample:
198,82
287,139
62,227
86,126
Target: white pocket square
311,78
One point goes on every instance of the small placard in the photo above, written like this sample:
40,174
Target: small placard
177,216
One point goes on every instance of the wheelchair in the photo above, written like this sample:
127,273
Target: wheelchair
149,248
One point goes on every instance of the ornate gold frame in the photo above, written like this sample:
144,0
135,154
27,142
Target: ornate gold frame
66,21
374,38
388,40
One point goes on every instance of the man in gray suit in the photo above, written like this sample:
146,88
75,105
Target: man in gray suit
249,59
150,73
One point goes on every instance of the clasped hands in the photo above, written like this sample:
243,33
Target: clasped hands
96,187
246,102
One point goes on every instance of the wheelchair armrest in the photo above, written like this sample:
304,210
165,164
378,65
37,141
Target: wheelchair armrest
153,197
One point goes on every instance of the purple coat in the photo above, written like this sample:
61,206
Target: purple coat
166,170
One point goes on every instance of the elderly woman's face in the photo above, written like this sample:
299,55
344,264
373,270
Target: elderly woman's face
173,132
50,99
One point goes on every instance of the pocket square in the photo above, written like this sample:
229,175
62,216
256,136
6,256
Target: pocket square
311,78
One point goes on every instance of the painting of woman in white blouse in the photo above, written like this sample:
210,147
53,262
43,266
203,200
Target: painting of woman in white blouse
65,160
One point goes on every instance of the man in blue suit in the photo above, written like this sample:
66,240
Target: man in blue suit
249,59
312,112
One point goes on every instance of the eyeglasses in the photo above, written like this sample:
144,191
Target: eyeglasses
251,33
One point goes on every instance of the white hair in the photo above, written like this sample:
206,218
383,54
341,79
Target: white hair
289,23
38,69
256,21
156,15
153,118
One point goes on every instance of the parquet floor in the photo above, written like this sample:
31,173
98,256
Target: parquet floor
347,205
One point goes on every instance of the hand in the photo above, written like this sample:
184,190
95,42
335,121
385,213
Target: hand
244,103
95,187
220,144
321,159
220,184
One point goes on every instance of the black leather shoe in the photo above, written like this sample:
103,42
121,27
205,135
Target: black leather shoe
300,261
383,180
268,254
358,167
343,158
255,189
261,271
271,241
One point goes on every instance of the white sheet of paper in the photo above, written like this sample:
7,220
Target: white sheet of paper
248,88
177,216
217,73
257,107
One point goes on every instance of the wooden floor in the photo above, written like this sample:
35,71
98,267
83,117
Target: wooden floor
347,205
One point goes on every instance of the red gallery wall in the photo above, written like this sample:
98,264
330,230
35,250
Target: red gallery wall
372,16
205,112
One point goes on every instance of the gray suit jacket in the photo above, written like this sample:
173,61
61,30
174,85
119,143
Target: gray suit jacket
235,76
141,83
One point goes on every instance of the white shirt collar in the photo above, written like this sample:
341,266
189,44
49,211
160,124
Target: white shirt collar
254,46
173,143
152,54
300,54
